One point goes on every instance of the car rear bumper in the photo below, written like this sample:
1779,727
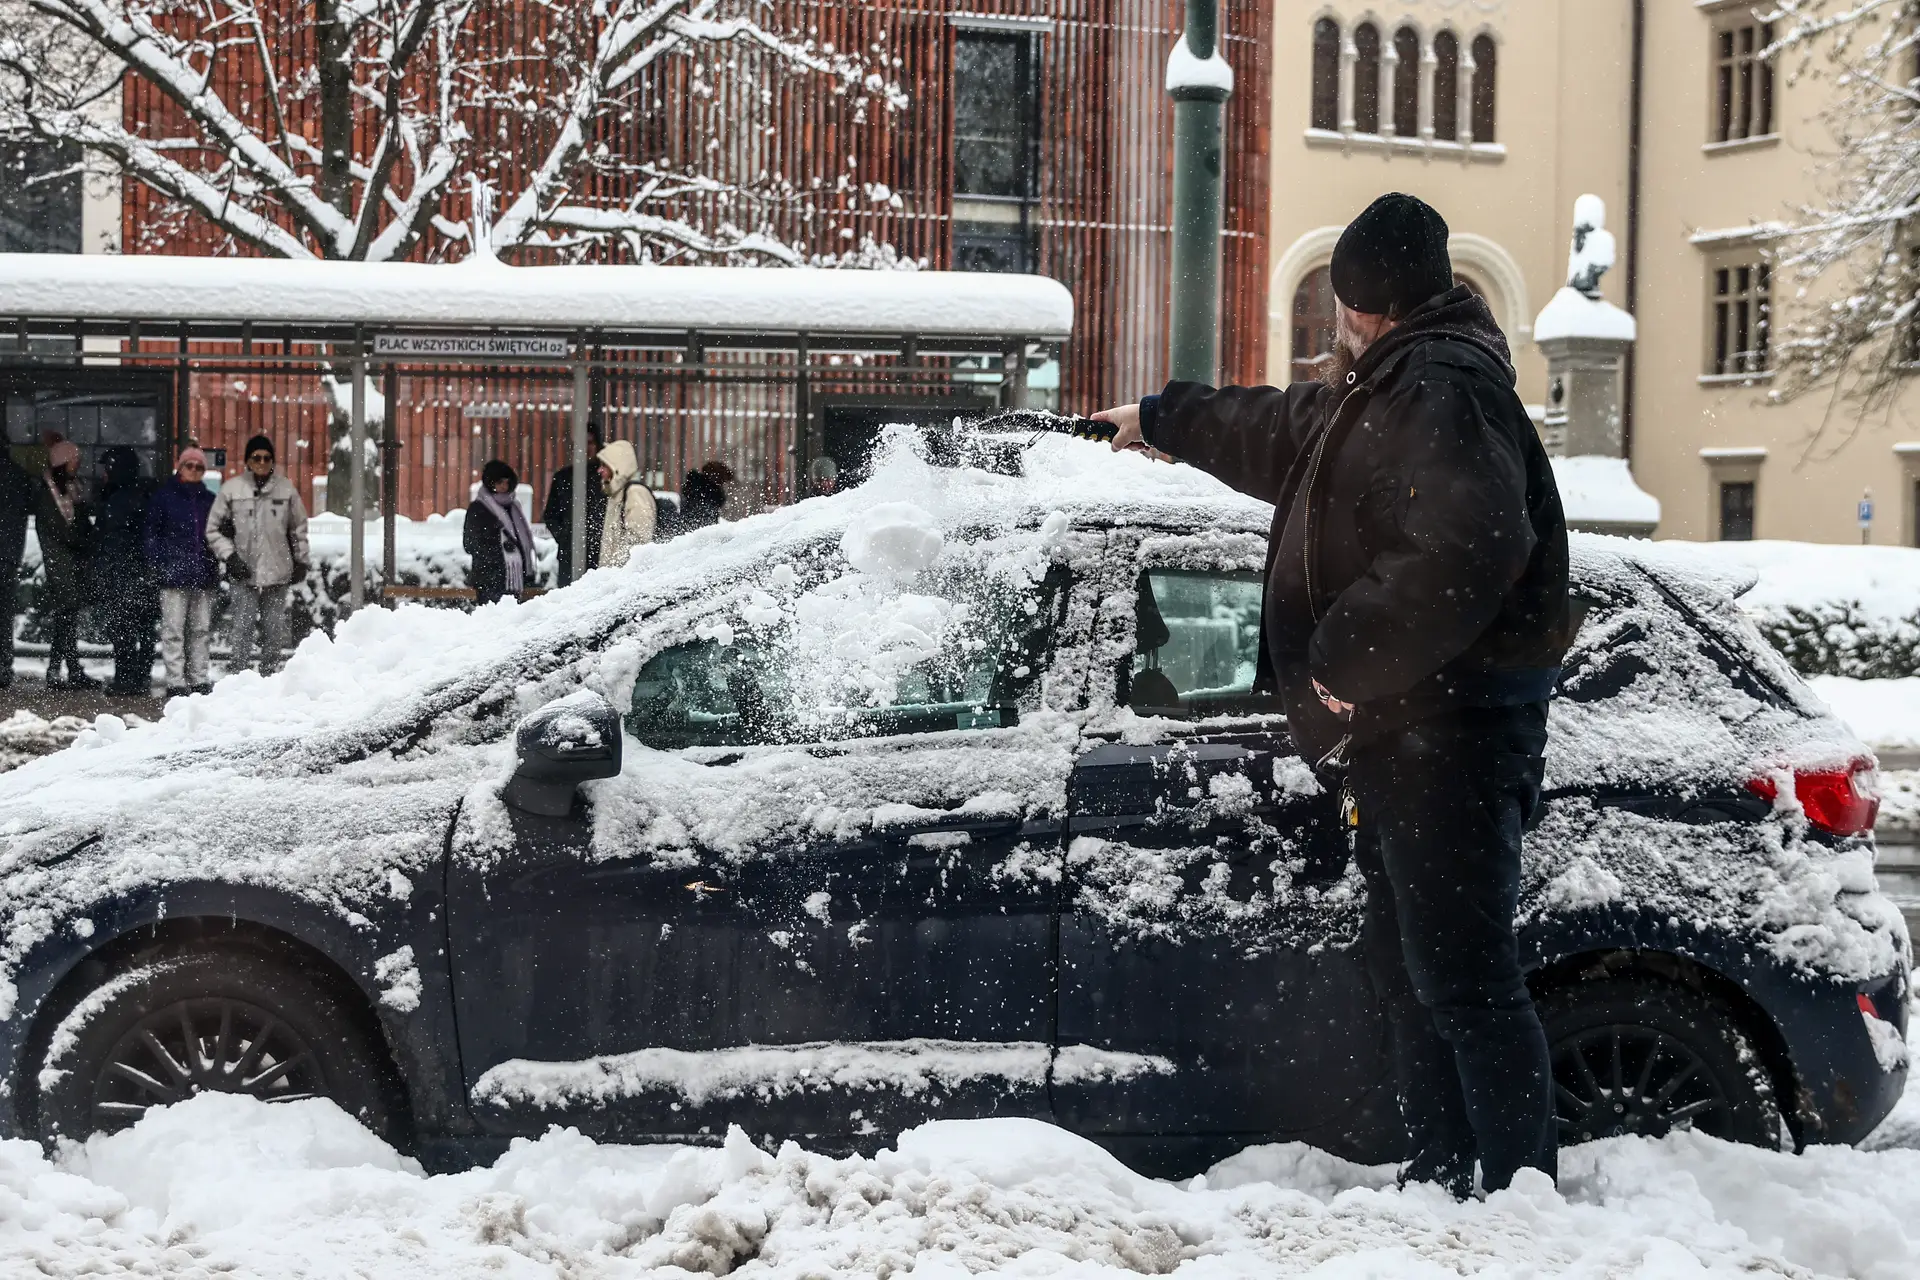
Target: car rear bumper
1848,1072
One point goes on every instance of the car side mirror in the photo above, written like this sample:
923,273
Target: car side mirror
565,743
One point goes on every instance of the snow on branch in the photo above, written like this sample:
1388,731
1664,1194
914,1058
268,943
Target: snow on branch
352,129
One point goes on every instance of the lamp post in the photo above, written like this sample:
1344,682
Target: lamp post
1199,81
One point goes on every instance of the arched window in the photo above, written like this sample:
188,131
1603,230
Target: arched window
1446,86
1366,78
1326,74
1483,77
1312,324
1406,82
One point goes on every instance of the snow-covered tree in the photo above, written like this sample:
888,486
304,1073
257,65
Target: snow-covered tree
637,130
1852,320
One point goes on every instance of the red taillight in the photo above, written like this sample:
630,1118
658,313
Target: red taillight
1842,802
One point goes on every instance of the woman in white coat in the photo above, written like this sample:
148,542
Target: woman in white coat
630,504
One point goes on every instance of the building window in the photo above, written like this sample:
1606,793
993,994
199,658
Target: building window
1742,81
39,196
1326,75
1313,325
1446,86
1366,78
995,150
1406,82
1740,304
1736,510
1484,73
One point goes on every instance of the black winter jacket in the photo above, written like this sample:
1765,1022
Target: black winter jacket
1418,559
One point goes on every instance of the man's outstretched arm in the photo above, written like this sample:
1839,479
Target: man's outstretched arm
1243,436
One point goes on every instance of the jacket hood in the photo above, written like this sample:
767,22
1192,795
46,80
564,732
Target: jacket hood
1460,314
620,459
121,465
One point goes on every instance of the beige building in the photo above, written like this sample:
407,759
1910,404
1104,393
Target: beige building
1500,113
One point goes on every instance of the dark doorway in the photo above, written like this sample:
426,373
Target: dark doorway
95,409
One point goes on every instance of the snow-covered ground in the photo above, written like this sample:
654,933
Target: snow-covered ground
227,1186
1885,713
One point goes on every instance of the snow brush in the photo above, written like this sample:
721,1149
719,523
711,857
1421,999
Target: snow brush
1036,421
988,443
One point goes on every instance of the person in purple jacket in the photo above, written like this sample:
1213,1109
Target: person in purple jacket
183,565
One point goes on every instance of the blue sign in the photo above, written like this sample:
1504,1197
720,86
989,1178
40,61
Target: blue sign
1866,511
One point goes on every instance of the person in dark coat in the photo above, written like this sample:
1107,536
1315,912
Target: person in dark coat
703,494
557,515
124,590
64,524
1415,617
16,505
175,543
497,537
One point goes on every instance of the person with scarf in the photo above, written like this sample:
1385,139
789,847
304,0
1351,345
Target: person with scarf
498,537
64,523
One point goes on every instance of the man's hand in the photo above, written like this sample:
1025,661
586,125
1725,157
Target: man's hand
1331,703
1127,419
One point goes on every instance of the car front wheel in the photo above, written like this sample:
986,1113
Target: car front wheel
220,1020
1645,1057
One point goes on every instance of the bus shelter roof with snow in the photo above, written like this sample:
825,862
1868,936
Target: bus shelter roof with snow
766,369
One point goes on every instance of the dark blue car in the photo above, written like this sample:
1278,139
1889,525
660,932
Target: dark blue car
946,796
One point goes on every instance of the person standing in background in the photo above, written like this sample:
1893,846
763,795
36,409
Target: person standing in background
64,524
558,513
631,510
703,494
123,588
258,530
175,543
498,538
16,504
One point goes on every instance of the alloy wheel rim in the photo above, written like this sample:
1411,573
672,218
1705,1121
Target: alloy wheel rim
1633,1080
207,1045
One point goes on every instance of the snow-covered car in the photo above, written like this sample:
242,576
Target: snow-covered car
943,796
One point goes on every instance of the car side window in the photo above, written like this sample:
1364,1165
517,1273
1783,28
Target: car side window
1196,642
961,655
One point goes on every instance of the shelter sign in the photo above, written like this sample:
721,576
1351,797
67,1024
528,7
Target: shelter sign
473,346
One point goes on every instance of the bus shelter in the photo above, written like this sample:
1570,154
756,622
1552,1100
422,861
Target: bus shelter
423,371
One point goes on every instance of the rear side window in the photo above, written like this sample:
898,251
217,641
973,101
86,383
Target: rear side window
1196,641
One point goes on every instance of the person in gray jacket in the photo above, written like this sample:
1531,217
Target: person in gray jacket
258,531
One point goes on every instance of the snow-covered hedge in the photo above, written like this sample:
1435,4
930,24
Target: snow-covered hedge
1833,610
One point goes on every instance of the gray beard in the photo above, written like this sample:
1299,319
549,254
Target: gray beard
1338,364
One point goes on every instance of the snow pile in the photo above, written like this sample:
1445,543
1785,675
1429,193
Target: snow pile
226,1185
1211,74
1572,314
1597,491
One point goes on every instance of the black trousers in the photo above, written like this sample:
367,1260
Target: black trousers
1442,804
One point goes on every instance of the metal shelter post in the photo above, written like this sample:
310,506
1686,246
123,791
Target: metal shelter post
1199,108
357,484
577,535
389,480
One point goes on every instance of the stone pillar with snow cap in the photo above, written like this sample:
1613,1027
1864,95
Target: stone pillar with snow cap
1585,338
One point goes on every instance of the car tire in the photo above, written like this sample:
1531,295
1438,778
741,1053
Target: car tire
1643,1056
225,1019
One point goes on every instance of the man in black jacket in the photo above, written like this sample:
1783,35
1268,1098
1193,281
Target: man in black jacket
1416,613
